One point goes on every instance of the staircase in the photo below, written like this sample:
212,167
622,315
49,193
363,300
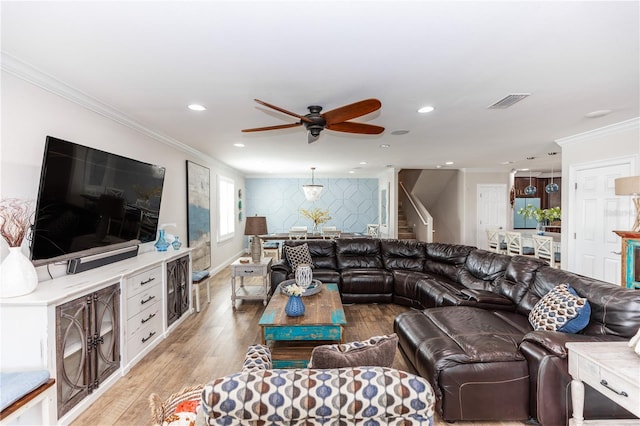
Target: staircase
404,231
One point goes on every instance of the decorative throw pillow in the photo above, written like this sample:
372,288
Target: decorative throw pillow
376,351
298,255
561,310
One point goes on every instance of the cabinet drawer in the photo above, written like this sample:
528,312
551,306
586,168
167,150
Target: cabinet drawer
149,333
248,270
138,302
141,319
144,280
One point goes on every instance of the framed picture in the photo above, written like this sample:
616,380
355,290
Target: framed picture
199,215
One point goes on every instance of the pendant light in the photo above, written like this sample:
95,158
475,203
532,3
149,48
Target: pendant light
312,192
530,190
551,187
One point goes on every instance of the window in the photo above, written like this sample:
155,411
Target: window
226,209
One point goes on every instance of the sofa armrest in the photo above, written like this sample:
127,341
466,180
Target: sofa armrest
486,296
282,265
258,358
554,341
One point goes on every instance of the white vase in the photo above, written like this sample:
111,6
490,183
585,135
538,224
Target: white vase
304,275
17,274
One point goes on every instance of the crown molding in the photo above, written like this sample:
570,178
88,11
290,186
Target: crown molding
29,73
623,126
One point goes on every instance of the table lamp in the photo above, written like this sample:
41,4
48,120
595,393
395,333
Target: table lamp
255,225
631,186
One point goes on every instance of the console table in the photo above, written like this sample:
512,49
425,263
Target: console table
611,368
88,329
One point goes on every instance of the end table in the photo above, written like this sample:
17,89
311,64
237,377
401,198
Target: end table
250,269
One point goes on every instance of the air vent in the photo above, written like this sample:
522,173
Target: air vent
509,100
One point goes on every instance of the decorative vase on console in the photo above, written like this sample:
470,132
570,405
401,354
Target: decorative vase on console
162,244
176,243
17,274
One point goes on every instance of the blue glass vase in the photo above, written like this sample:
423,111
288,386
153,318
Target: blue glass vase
176,243
294,306
162,244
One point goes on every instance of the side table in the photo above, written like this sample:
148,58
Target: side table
611,368
250,292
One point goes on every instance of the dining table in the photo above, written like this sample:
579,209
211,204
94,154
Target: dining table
310,236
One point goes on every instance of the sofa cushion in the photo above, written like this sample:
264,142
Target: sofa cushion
445,259
481,268
406,255
376,351
358,253
560,310
298,255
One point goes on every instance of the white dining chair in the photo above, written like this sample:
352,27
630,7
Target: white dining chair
330,233
373,230
298,233
495,241
544,249
515,246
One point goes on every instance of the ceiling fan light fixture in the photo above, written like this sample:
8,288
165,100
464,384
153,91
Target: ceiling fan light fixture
312,191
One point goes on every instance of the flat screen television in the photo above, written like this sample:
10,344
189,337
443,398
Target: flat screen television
90,199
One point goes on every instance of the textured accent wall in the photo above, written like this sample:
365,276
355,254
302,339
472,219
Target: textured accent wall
352,203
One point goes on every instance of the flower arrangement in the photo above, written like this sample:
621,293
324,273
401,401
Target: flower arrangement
293,290
541,215
316,215
15,220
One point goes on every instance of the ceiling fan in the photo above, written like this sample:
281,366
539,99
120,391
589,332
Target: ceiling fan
336,119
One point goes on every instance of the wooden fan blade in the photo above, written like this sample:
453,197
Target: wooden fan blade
350,111
350,127
281,126
284,111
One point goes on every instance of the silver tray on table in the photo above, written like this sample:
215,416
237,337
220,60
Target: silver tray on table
314,288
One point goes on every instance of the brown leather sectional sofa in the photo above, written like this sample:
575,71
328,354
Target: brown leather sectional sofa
469,333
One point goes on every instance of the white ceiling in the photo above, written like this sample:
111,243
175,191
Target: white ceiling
148,60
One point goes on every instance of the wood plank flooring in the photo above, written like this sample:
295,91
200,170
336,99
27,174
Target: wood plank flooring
213,343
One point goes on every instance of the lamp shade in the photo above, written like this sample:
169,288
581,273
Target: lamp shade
628,185
255,225
312,191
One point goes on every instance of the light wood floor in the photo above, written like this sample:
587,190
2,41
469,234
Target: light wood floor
212,343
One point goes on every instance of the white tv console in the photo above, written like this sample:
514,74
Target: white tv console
138,302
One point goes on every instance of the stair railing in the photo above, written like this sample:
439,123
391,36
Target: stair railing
417,214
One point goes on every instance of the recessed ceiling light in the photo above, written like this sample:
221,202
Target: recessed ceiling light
598,113
438,166
504,163
385,145
448,163
426,109
351,172
239,145
197,107
363,162
399,132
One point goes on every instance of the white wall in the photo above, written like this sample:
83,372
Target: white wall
30,113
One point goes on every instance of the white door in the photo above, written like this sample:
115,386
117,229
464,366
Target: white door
492,210
595,250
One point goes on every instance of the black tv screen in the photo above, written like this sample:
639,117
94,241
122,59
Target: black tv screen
90,198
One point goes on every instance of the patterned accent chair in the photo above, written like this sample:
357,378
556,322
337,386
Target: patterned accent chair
358,395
